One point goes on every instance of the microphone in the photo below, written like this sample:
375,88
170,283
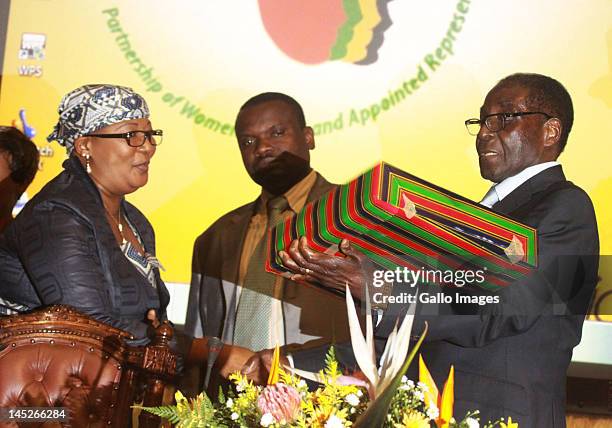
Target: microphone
214,347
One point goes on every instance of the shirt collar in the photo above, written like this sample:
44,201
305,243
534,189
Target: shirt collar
507,186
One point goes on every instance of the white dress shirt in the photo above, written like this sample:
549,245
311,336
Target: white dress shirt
499,191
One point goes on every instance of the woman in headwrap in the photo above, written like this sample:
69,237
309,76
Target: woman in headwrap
78,241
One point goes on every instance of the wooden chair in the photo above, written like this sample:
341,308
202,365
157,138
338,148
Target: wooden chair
58,357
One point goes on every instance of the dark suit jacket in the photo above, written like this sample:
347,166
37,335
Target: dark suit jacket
214,293
510,359
61,249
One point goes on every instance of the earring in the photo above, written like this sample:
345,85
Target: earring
87,165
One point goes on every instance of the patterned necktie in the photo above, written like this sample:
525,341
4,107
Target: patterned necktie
252,328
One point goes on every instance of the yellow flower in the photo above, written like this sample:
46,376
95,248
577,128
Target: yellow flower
182,405
178,396
510,424
447,400
413,420
431,392
433,398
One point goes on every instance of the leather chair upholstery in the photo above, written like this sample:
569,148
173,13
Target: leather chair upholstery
57,357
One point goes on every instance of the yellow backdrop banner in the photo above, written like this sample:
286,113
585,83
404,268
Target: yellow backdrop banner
378,80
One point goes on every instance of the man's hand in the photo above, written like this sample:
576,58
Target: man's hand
354,269
230,360
257,368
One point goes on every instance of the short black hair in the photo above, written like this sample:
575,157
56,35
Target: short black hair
547,95
276,96
23,154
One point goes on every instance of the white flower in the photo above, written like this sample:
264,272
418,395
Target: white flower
302,383
404,387
229,403
352,399
418,394
410,383
334,422
472,423
359,393
423,386
432,412
234,416
241,386
266,420
404,379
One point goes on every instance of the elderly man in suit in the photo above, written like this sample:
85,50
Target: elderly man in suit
232,297
510,358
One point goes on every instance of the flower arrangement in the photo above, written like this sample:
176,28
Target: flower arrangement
288,403
388,399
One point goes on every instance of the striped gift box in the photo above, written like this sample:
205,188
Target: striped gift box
399,221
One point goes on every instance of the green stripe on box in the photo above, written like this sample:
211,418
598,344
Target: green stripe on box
398,183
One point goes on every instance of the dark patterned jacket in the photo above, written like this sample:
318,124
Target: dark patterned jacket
61,249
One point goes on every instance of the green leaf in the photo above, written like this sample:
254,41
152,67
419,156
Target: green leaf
330,358
331,364
166,412
221,396
376,413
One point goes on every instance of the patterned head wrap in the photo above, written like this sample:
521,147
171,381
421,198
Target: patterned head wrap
91,107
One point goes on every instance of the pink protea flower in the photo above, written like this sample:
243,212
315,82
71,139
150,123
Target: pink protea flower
280,400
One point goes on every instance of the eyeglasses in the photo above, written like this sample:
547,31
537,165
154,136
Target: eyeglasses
497,121
136,138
